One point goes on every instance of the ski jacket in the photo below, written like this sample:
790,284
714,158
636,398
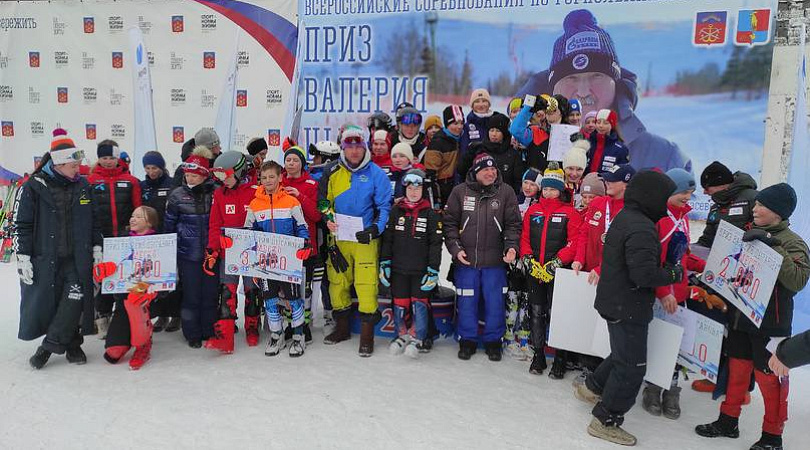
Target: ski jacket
413,238
484,221
606,151
308,198
360,192
631,261
533,138
228,210
550,229
675,221
792,278
508,160
155,193
594,226
53,213
476,129
188,212
116,194
278,213
735,205
442,155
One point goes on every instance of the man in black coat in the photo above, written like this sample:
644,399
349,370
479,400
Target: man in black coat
791,353
57,242
631,269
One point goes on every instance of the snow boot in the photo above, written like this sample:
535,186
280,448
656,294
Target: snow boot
651,399
160,324
611,433
557,371
141,356
174,325
466,349
341,332
252,330
584,393
413,349
703,386
367,322
539,364
75,355
102,325
493,351
114,354
672,403
297,345
398,345
724,426
768,442
196,343
275,344
40,358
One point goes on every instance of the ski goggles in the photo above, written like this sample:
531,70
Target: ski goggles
353,140
67,156
194,167
413,179
411,119
222,174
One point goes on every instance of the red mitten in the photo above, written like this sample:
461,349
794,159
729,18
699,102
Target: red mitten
225,242
103,270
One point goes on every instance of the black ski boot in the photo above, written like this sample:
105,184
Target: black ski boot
493,350
466,349
558,366
539,364
768,441
75,355
724,426
40,358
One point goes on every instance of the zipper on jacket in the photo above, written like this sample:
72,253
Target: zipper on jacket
113,208
498,224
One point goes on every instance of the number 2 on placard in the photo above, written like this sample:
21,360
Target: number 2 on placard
388,325
725,264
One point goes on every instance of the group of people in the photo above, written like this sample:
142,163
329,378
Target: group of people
480,184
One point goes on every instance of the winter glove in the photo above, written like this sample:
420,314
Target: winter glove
430,279
339,262
551,267
675,273
678,244
98,255
385,272
537,270
25,269
304,252
525,265
711,301
365,236
210,261
225,242
762,236
103,270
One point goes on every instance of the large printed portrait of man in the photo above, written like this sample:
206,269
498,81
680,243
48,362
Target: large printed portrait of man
585,65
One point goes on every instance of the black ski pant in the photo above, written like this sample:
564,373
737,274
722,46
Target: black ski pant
119,332
63,331
619,377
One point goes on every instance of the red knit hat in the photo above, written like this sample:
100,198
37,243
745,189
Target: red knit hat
198,162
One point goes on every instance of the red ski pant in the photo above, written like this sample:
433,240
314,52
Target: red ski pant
747,354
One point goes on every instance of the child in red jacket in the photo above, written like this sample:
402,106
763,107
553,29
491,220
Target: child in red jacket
228,210
547,243
116,194
673,229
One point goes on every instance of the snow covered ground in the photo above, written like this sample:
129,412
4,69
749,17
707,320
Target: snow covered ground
330,398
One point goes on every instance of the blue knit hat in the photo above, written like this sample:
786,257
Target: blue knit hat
554,178
684,181
154,158
779,198
533,175
574,106
583,47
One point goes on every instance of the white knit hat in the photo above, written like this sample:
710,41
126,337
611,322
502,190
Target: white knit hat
380,135
577,156
403,148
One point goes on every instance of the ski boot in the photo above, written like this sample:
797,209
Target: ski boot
651,399
724,426
398,345
297,346
466,349
493,350
141,356
275,344
413,349
40,358
115,353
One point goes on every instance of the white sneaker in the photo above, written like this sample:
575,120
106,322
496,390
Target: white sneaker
412,349
398,345
297,346
275,344
103,324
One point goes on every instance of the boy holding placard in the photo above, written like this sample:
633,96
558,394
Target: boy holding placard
746,344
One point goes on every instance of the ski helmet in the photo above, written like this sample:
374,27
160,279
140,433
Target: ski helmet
230,163
379,121
409,115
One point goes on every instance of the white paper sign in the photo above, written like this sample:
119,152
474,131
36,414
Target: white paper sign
560,140
348,227
702,340
743,273
264,255
151,259
577,326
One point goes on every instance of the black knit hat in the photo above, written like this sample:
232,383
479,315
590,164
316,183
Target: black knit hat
716,174
256,145
452,113
501,122
779,198
583,47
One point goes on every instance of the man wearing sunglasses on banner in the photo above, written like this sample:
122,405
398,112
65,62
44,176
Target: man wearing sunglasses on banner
57,242
409,123
359,188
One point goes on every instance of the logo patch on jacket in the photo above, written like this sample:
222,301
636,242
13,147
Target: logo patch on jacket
230,209
401,221
597,215
495,204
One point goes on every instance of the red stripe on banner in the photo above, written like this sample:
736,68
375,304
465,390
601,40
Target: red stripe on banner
285,60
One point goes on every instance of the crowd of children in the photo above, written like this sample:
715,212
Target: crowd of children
481,184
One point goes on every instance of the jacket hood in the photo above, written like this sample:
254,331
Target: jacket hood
742,181
648,192
365,162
